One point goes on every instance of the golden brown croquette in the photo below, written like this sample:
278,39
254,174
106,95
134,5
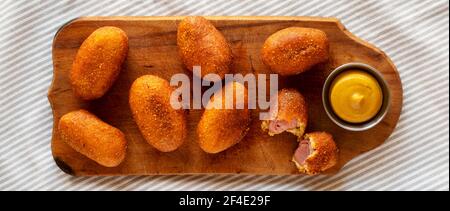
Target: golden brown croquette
220,128
98,62
316,153
161,125
93,138
291,114
201,44
294,50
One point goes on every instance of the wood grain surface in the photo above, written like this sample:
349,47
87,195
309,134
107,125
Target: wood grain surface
153,50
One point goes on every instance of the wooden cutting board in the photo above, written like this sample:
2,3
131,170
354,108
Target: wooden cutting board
153,50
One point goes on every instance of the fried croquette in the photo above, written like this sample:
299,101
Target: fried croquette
220,128
294,50
95,139
290,113
201,44
98,62
161,125
316,153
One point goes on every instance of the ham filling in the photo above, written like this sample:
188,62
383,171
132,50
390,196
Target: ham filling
303,151
279,126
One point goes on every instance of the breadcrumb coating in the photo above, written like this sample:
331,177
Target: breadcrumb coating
95,139
201,44
160,124
294,50
98,62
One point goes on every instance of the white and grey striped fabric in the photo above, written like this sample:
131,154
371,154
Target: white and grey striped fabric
415,34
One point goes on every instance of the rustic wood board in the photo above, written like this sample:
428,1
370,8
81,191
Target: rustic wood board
153,50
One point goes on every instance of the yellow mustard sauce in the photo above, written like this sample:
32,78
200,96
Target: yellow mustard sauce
355,96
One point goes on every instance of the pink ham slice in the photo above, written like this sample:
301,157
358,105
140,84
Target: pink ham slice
302,152
279,126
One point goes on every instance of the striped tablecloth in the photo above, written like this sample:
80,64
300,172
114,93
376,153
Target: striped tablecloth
415,34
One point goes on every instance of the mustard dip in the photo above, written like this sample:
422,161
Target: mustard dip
355,96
